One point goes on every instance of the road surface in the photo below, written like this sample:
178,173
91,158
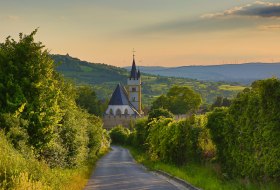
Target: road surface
118,171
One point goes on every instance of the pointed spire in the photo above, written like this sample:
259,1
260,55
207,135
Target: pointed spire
133,72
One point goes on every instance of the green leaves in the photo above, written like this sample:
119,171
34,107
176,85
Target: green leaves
32,91
179,100
247,133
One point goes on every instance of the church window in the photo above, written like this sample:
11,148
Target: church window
125,112
118,112
133,89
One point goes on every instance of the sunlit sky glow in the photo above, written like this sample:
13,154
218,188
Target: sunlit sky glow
163,32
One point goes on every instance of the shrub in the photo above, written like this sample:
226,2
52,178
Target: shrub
119,135
159,112
247,133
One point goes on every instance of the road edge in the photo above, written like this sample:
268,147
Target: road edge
165,174
178,180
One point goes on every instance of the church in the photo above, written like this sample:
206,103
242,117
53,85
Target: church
127,102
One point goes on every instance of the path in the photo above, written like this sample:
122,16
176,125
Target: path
118,171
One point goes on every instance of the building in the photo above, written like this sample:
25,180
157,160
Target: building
125,103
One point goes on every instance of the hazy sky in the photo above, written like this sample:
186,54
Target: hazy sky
163,32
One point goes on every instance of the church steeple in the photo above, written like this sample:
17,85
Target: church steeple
134,87
133,72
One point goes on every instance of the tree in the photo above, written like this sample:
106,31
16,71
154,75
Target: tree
87,99
221,102
160,112
38,108
179,100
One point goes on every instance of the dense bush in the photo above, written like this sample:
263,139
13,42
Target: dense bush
119,135
159,112
179,142
172,141
247,133
38,112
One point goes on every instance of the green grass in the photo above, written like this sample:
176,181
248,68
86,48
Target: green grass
231,88
23,171
207,176
86,68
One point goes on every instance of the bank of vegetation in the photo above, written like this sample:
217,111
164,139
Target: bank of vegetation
233,147
47,141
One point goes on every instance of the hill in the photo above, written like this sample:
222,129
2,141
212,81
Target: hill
241,73
104,78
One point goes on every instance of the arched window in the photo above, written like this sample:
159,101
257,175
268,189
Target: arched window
118,112
125,112
111,112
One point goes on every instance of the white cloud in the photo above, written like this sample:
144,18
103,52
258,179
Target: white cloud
256,9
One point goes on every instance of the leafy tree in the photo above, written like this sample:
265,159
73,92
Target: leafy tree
38,108
160,112
179,100
221,102
87,99
247,133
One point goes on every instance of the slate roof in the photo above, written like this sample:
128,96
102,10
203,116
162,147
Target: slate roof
133,72
119,97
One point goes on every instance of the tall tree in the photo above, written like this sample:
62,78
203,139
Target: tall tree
179,100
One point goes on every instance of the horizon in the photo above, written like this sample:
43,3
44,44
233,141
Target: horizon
163,32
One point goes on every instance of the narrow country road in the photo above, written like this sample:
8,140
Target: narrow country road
118,171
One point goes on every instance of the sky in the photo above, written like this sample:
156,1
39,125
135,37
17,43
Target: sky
162,32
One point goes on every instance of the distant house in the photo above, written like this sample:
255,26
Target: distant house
125,102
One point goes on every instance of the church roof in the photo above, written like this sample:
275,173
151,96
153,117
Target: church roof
119,96
133,72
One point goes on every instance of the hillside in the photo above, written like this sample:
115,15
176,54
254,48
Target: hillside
104,78
241,73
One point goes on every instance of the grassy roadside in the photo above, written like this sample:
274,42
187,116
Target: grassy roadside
22,171
202,176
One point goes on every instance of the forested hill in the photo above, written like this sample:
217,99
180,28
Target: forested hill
86,72
104,78
242,73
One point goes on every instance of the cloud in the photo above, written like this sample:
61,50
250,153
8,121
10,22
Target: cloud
191,26
256,9
269,27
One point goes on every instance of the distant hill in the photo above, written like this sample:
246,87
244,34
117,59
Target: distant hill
104,78
241,73
86,72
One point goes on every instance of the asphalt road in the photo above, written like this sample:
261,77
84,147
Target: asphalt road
118,171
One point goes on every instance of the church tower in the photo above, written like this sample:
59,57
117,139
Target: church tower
134,87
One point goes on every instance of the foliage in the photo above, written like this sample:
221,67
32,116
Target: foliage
40,117
87,99
119,135
178,142
157,113
204,176
247,133
25,171
179,100
221,102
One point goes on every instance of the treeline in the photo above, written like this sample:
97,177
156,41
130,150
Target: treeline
242,138
40,122
247,133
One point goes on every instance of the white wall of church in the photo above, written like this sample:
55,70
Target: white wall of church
133,82
113,109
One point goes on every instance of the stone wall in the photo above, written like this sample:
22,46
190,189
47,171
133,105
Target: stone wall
112,121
